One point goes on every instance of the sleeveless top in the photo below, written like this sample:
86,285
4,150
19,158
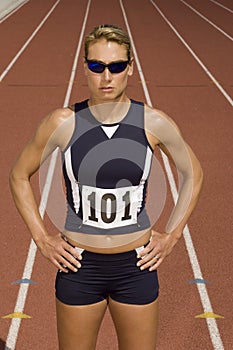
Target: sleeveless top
106,168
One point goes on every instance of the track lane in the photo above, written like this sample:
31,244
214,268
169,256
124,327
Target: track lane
226,4
41,101
209,14
192,27
4,15
194,102
19,27
64,14
216,16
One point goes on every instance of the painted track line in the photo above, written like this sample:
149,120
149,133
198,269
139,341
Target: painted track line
207,20
214,80
212,325
221,5
23,290
13,11
10,65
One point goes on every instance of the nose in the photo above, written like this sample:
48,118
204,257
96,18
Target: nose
107,76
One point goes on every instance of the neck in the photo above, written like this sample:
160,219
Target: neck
93,100
109,112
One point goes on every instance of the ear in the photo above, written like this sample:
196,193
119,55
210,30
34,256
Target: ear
131,65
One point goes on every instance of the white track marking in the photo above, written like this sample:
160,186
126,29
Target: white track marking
212,325
13,11
207,20
23,290
214,80
10,65
221,5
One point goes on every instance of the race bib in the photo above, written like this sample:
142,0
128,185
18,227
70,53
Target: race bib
111,208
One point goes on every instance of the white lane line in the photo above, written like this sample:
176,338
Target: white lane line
13,11
10,65
206,70
207,20
221,5
212,325
23,290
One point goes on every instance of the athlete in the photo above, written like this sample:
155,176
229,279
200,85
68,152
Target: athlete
108,254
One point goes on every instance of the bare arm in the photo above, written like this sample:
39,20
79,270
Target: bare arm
53,132
163,132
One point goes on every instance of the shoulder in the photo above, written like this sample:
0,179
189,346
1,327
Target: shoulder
158,118
57,117
159,124
55,128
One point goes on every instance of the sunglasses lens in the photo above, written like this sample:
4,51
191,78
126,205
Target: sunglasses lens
117,67
96,67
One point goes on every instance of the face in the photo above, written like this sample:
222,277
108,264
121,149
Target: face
107,86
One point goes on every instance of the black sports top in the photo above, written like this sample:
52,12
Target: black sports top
106,167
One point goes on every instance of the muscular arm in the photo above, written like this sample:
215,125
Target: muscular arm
163,132
189,170
53,132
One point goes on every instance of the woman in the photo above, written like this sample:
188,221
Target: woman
108,253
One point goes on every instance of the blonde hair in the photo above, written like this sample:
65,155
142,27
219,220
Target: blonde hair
109,32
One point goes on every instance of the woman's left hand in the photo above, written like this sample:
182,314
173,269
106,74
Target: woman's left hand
160,245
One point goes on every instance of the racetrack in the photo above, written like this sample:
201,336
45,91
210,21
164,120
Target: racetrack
183,65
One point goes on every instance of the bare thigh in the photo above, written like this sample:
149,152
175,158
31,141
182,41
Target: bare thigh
78,326
136,325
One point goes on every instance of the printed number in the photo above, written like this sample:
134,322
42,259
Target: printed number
126,199
108,199
91,198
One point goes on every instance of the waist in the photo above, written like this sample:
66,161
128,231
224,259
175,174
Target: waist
108,244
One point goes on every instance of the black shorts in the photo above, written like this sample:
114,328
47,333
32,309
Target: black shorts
107,275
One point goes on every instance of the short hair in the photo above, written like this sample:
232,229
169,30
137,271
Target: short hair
109,32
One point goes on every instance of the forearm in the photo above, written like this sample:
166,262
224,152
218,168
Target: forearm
27,206
186,202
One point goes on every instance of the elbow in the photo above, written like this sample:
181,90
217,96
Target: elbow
12,178
15,179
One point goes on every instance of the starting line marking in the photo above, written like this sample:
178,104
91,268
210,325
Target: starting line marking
208,315
17,315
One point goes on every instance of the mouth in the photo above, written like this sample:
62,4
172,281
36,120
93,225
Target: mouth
106,89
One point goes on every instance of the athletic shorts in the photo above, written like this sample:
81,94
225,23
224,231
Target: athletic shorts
108,275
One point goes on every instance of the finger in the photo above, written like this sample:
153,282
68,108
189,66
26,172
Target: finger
71,259
156,265
67,265
145,251
68,247
148,257
149,262
60,267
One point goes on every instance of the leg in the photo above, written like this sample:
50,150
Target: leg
136,325
78,326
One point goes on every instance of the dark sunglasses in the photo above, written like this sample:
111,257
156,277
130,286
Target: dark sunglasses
114,67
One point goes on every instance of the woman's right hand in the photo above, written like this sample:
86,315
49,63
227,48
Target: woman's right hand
60,253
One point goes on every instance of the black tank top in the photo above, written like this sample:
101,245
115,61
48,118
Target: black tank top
106,167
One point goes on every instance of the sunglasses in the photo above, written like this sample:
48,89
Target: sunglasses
114,67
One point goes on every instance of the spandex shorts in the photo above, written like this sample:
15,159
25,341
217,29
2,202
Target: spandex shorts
107,275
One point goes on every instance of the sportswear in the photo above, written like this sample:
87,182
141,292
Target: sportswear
106,168
107,275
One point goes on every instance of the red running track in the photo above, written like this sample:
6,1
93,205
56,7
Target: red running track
177,83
